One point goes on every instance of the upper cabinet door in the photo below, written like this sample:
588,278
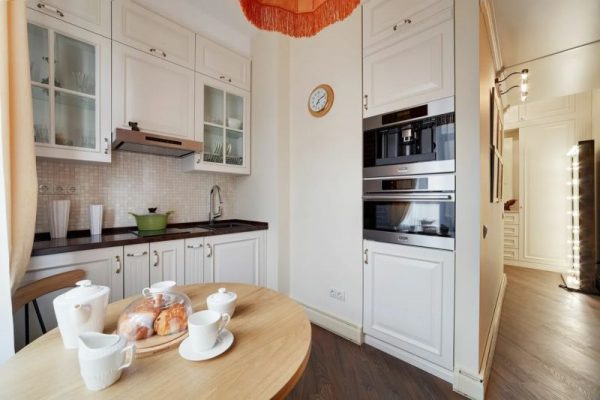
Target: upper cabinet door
156,94
413,71
221,63
385,21
70,87
152,33
93,15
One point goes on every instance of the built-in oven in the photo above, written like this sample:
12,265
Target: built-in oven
418,140
410,210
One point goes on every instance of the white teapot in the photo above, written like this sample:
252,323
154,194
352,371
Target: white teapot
81,309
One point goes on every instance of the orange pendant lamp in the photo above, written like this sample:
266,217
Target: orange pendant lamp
296,18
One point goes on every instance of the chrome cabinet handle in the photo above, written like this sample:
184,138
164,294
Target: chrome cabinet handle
137,254
107,147
155,259
406,21
209,247
366,256
118,261
191,246
225,78
50,8
366,101
161,52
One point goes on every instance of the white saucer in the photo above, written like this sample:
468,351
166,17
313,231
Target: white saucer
224,341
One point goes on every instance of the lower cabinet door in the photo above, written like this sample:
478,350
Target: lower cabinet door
102,266
137,262
409,299
167,261
194,260
238,258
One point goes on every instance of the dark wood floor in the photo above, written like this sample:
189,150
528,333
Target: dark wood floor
549,341
548,348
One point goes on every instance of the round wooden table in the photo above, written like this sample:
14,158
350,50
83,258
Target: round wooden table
268,356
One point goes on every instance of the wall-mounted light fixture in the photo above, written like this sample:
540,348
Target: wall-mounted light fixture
523,85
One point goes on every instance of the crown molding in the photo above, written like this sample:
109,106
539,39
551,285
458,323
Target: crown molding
487,9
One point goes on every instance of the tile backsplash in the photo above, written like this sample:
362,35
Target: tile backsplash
132,182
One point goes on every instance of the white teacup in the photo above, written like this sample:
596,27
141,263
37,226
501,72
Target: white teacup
159,287
102,358
204,328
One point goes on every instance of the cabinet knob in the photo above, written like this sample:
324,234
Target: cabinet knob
191,246
106,146
406,21
366,101
44,6
118,262
160,52
209,247
366,256
143,253
225,78
156,259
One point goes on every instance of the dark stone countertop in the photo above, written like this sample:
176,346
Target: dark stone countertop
82,240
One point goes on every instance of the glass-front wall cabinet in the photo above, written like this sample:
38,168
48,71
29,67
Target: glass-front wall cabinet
222,123
70,87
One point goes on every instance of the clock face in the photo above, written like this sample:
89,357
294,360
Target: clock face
318,99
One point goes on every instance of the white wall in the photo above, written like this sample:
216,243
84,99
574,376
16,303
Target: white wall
326,172
466,342
264,195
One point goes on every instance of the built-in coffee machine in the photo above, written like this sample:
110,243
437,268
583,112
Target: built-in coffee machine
417,140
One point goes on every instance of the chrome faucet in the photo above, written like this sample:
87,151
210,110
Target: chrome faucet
212,215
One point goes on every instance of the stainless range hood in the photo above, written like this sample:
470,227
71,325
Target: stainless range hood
151,143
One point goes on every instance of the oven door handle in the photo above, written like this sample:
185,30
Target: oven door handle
409,197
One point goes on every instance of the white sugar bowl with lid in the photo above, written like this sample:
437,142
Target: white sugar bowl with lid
81,309
222,301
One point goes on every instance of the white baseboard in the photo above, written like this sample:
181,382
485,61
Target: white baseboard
525,264
474,385
336,325
410,358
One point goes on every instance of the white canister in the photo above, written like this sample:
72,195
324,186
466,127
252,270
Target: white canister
58,214
96,211
222,301
102,358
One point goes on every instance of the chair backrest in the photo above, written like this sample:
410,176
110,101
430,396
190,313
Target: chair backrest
33,290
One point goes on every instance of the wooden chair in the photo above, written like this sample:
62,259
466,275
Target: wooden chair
30,292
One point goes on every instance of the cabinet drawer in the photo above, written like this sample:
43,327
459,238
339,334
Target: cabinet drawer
511,230
511,242
144,30
93,15
511,218
386,21
511,254
221,63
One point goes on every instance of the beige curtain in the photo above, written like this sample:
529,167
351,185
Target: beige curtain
16,129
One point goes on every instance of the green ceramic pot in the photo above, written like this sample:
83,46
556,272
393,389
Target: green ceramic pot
151,221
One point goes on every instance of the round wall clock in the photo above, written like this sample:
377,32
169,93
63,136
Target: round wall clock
320,100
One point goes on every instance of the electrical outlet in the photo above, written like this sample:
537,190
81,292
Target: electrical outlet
337,294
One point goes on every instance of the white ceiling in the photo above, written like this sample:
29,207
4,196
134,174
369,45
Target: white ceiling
529,29
220,20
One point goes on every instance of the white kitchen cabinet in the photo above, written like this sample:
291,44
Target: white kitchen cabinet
409,299
70,83
544,191
412,71
223,124
153,34
137,268
93,15
386,21
194,260
237,258
102,266
222,64
156,94
167,261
